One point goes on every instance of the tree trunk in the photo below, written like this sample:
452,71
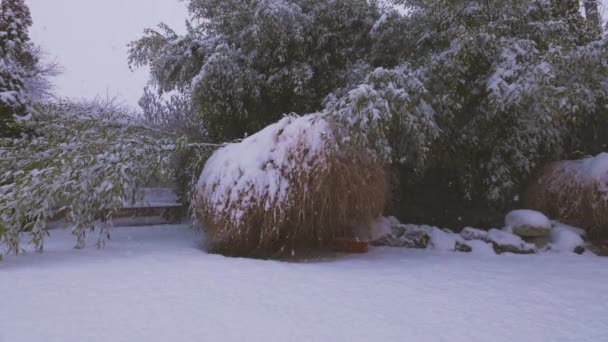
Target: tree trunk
592,13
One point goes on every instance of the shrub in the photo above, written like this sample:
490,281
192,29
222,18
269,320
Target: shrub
288,188
574,192
83,161
246,63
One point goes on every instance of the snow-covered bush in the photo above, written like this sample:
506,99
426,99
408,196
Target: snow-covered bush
16,60
471,95
574,192
246,63
289,187
490,91
390,113
82,161
24,78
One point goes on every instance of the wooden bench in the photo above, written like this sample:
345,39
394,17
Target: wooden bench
158,206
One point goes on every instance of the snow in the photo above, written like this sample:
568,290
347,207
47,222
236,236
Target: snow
379,227
528,218
442,240
155,284
480,247
504,238
577,230
257,166
596,167
592,169
565,240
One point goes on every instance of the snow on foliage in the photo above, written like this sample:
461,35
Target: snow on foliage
504,86
247,64
591,168
16,60
574,191
390,112
257,168
24,79
480,92
290,187
82,161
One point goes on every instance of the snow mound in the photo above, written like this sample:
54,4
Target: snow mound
579,231
530,218
442,240
480,247
379,227
566,240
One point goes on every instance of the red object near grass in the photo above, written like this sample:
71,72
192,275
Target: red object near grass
346,245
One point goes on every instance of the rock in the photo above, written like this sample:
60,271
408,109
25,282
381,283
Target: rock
502,241
566,240
398,230
441,240
404,236
539,241
415,239
528,223
469,233
463,247
505,242
530,231
481,247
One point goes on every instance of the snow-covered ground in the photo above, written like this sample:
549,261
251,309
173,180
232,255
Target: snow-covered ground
155,284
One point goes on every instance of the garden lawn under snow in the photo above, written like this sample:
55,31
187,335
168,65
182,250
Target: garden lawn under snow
155,284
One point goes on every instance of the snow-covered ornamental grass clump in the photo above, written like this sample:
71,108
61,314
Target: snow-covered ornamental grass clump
81,161
291,186
575,192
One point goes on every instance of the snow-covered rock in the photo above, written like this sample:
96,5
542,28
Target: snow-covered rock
480,247
567,241
442,240
505,242
562,238
421,236
528,223
402,235
558,225
412,239
470,233
502,241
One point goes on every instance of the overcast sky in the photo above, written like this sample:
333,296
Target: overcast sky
89,37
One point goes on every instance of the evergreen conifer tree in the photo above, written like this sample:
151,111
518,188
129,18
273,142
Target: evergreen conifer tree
17,62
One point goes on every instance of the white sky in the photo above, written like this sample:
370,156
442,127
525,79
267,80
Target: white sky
89,37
